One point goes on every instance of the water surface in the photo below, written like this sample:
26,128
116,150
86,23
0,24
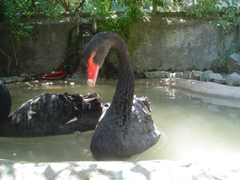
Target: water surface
192,127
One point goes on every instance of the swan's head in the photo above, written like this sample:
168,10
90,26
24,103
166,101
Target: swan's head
94,54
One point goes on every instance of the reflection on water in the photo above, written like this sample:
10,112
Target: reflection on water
191,126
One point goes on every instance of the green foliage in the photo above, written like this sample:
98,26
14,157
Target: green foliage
220,64
204,8
13,10
227,16
119,23
163,3
11,13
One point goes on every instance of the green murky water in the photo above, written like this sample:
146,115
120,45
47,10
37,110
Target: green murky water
192,127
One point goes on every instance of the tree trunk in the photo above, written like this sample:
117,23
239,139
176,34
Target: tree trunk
81,3
154,7
9,62
110,6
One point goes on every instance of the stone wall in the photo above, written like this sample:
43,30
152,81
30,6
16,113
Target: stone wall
174,41
165,41
45,49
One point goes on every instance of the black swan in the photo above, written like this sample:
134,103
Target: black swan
126,128
49,114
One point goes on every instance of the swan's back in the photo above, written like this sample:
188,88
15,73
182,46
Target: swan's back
115,141
48,109
53,114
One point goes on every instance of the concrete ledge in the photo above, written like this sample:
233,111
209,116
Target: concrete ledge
204,88
159,169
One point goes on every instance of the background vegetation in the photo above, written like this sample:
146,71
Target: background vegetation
226,11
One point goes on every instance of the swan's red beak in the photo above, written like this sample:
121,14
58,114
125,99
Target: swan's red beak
92,72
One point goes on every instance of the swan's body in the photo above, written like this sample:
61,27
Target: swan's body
49,114
126,128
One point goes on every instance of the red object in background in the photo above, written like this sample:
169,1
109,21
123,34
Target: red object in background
57,74
54,75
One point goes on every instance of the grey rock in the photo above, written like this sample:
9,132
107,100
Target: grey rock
12,79
233,79
214,76
195,75
157,74
186,74
204,76
234,63
217,78
220,81
9,80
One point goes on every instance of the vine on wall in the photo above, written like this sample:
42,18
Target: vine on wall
227,18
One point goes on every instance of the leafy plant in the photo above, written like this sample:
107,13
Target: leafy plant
11,13
119,23
220,64
226,16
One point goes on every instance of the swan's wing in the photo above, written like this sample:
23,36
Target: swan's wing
141,128
54,113
141,117
92,101
41,116
91,111
48,108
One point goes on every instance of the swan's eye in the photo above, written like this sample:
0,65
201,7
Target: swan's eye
93,53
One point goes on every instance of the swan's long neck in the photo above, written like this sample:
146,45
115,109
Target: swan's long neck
123,97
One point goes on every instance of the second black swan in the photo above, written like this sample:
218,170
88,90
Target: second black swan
49,114
127,127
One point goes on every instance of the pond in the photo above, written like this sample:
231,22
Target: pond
191,126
